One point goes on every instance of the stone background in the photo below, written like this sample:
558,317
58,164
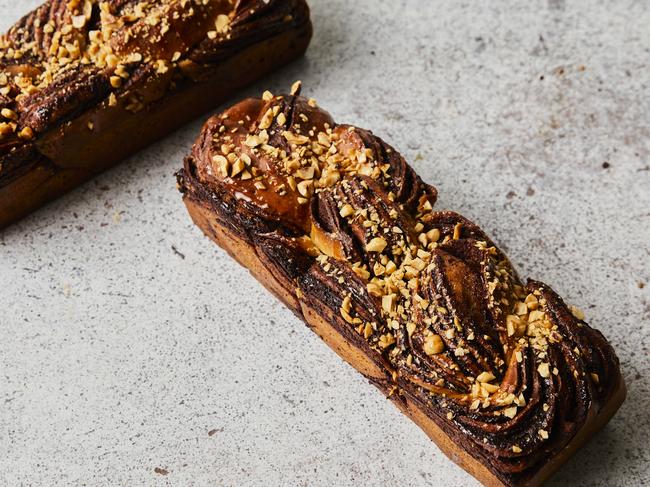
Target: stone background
128,342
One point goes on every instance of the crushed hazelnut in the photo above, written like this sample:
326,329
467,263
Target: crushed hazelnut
295,88
543,370
9,114
510,412
26,133
346,210
433,345
485,377
377,244
577,312
222,24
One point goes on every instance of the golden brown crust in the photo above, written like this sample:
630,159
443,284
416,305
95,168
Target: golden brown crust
503,376
80,78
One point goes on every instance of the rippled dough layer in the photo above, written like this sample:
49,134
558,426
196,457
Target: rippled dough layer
501,374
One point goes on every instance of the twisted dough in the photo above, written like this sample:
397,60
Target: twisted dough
505,369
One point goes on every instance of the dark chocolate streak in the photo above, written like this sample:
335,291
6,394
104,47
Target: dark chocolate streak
83,87
254,20
583,369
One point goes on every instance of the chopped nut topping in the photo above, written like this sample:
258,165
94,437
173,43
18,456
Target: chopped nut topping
577,312
9,114
433,235
485,377
543,370
295,88
377,244
512,324
238,166
346,303
386,341
222,24
521,308
6,129
346,210
433,345
490,388
368,331
410,328
388,302
457,230
26,133
222,165
78,21
510,412
305,188
531,302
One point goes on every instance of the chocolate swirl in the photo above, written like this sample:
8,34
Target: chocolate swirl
506,369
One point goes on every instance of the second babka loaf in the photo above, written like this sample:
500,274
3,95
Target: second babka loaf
84,84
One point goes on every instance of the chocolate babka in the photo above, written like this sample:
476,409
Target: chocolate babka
84,83
505,377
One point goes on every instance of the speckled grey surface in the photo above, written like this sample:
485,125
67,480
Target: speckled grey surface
130,343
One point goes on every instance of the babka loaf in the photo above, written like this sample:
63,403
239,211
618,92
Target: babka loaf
86,83
505,377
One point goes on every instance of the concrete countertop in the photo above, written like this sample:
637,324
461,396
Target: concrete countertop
133,351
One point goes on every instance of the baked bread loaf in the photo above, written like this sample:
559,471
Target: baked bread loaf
84,83
506,378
